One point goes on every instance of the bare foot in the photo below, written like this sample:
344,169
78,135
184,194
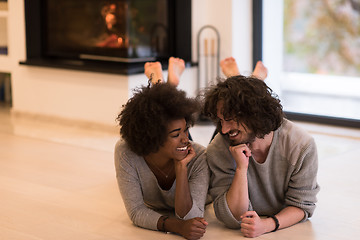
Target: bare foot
153,71
260,71
176,68
229,67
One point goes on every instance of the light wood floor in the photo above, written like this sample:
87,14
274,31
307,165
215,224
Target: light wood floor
58,182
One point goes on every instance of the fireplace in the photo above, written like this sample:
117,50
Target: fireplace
112,36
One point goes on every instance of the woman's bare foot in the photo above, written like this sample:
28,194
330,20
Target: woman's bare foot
260,71
229,67
153,71
175,69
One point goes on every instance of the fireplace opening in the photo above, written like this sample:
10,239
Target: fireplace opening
115,36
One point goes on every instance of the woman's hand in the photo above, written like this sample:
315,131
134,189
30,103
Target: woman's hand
193,228
191,154
183,199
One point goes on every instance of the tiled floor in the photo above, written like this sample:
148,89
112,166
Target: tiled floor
58,182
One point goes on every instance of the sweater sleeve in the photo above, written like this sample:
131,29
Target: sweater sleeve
198,176
130,189
303,185
221,165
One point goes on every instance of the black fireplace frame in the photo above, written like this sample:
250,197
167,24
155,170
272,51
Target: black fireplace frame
179,42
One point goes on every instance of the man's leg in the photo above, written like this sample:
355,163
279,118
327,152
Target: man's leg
260,71
229,67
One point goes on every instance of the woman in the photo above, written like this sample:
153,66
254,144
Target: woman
163,177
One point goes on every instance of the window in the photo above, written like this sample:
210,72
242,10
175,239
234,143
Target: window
312,51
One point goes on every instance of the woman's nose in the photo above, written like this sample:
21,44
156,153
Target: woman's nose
185,138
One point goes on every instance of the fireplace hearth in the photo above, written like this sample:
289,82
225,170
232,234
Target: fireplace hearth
112,36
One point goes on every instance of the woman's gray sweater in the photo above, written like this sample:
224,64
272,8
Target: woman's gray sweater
144,199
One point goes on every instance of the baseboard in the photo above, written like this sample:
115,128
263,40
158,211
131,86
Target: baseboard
335,121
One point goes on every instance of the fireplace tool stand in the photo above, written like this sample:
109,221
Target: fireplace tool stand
208,56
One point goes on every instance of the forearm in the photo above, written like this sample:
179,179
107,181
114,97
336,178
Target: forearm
189,229
169,224
144,217
183,200
132,194
289,216
286,218
237,197
252,225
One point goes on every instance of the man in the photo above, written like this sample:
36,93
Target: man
263,166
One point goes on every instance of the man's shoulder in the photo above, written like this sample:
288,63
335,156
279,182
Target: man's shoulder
292,140
219,142
293,132
218,148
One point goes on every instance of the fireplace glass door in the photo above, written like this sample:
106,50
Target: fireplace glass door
120,30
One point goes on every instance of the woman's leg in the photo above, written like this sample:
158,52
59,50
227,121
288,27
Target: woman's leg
153,72
175,69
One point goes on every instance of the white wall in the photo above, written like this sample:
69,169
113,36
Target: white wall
3,31
97,97
233,20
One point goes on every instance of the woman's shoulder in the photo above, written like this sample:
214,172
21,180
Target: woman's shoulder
123,153
121,146
200,158
199,149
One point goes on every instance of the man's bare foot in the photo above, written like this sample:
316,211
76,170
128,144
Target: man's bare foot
175,69
153,71
260,71
229,67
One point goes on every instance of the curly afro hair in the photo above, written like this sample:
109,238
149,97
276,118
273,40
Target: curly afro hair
247,100
144,118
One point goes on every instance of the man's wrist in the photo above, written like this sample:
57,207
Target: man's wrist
276,221
241,171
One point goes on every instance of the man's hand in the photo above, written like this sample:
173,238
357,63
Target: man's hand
253,226
241,154
237,196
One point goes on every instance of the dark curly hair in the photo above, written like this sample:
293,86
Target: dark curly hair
144,118
247,100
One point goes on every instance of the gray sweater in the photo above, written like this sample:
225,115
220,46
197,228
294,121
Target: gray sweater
286,178
145,201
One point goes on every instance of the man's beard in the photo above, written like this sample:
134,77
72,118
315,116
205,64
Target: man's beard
250,139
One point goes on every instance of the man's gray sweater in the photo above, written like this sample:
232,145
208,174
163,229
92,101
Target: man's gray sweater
286,178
